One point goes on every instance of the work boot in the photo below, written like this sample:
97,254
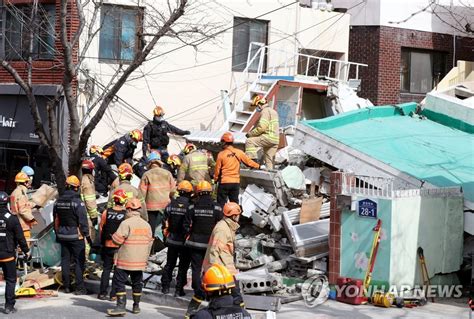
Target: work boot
67,290
179,292
121,303
165,290
80,292
136,303
102,297
9,310
193,307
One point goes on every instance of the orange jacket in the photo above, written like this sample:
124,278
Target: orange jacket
228,165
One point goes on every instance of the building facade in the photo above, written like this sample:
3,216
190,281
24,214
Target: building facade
408,45
19,144
190,84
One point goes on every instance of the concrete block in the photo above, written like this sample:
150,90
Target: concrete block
294,178
259,281
259,218
263,303
275,222
255,196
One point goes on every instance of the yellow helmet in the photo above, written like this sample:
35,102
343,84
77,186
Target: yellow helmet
21,177
216,278
73,181
174,159
158,111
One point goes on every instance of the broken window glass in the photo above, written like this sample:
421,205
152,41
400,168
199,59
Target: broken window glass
245,32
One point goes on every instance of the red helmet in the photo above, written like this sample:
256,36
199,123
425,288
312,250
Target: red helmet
227,137
120,196
88,164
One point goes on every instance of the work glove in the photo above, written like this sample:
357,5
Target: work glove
187,132
263,167
94,221
89,240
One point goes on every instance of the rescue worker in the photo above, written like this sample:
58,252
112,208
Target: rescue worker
103,173
125,173
174,234
88,195
155,133
71,228
157,186
227,171
199,223
121,150
134,237
21,206
11,236
266,135
140,167
221,245
218,283
110,221
197,165
173,163
30,172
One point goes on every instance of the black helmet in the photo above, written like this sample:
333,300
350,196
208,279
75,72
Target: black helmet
3,199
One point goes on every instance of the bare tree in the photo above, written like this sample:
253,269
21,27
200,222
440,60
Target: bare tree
170,18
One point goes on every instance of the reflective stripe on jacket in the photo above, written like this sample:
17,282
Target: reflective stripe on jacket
88,195
196,167
268,126
156,186
22,207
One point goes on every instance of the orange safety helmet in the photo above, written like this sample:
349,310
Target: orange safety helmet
21,177
227,137
120,196
158,111
217,278
134,204
88,164
231,209
188,148
96,149
73,181
203,186
185,186
125,170
174,159
259,100
136,135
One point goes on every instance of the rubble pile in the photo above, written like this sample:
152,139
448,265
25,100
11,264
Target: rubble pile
283,238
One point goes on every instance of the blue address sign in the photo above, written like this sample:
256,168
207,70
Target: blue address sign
367,208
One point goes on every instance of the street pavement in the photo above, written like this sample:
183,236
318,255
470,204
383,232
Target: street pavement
71,306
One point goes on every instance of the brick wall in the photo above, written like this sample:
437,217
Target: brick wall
45,71
380,48
334,228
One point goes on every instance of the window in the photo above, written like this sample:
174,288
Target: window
420,71
245,32
119,31
18,30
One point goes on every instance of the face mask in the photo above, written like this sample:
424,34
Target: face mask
158,118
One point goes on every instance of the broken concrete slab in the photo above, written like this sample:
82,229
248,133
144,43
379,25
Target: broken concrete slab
271,182
262,303
255,197
259,280
275,222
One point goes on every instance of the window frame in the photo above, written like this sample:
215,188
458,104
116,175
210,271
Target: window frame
432,53
235,24
36,54
139,18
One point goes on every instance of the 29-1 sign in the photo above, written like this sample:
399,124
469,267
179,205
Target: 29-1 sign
367,208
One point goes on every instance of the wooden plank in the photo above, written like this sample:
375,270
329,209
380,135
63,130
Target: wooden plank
310,210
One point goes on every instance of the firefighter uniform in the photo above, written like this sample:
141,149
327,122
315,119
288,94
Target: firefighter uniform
22,207
197,166
135,238
155,135
132,192
227,173
120,150
222,307
104,175
156,186
71,227
199,223
89,198
174,233
110,222
11,235
265,135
